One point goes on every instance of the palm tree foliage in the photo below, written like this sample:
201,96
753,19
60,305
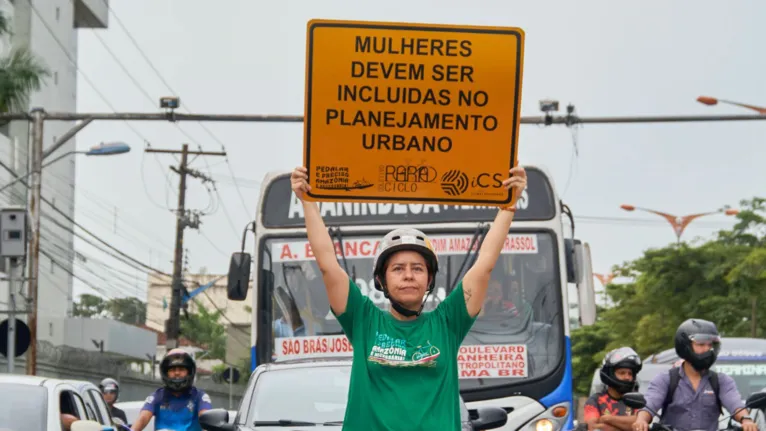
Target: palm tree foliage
21,73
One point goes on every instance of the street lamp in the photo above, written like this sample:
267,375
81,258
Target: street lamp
102,149
710,101
605,279
680,223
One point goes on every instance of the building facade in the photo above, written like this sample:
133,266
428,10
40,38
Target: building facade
49,28
159,294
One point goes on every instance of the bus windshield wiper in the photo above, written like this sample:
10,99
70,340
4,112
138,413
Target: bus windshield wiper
481,231
336,233
291,423
284,423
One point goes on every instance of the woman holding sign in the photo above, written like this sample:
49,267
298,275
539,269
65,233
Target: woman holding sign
405,372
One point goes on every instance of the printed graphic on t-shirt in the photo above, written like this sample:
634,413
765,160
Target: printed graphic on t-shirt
394,352
602,404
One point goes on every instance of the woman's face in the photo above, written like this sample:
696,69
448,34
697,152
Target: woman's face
407,278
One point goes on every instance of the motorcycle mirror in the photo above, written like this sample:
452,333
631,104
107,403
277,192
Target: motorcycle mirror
634,400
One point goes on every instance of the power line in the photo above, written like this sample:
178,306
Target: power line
73,61
85,76
184,219
170,88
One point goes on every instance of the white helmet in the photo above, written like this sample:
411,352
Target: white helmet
405,239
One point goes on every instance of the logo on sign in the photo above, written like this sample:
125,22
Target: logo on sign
492,183
486,181
454,182
404,178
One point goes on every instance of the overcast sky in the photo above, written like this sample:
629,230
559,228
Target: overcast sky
605,57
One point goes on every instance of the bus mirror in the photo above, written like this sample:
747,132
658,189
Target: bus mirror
239,276
570,258
586,294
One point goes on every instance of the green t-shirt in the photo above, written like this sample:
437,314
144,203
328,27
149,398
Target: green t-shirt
404,374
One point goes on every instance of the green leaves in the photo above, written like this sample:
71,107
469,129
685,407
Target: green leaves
21,73
203,328
722,280
127,310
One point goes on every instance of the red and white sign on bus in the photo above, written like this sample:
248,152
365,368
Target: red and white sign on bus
475,361
325,346
360,248
492,361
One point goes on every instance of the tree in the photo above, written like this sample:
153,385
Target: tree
204,328
128,310
587,353
21,73
89,306
720,280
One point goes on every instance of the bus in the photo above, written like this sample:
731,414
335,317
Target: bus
517,355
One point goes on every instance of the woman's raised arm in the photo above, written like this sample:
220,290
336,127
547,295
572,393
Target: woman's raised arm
334,277
476,280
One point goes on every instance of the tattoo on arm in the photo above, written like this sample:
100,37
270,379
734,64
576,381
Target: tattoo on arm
468,293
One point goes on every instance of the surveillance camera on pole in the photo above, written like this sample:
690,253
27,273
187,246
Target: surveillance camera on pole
170,104
13,247
549,106
13,232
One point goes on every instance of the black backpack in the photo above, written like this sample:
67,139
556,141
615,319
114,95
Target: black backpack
675,378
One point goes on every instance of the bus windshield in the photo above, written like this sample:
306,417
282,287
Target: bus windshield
517,336
750,377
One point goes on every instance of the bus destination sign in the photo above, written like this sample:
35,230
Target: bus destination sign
281,209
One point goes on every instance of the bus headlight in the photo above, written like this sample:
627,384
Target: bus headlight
553,419
544,425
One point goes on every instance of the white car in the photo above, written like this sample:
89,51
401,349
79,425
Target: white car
94,401
318,394
132,409
36,403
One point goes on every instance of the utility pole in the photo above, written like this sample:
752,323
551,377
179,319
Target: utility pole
13,276
35,193
183,220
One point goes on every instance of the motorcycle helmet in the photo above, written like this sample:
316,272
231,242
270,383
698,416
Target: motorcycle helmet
178,358
701,331
110,385
623,357
398,240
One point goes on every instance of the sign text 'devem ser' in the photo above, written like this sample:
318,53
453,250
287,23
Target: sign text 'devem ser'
411,113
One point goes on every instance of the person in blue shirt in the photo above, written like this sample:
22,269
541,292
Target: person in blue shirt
178,404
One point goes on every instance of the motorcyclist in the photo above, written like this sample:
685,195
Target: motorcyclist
605,410
692,403
110,389
178,404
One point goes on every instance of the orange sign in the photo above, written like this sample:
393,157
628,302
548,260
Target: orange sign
411,112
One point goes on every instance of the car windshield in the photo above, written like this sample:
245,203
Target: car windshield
23,407
517,336
311,394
